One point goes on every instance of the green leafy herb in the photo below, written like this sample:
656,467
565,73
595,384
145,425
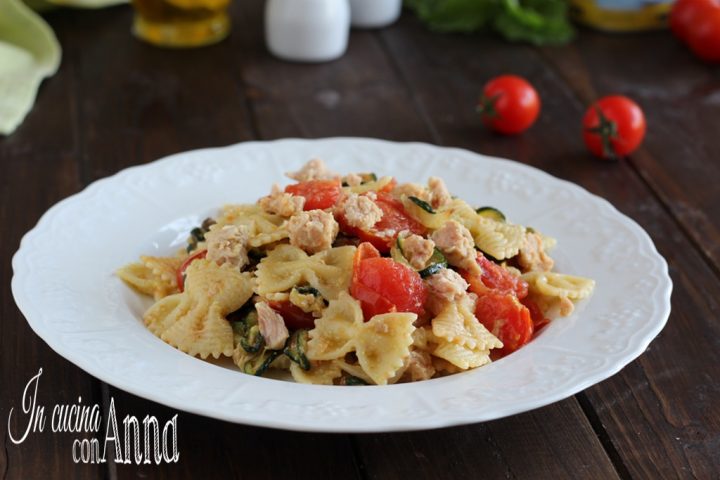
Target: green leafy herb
535,21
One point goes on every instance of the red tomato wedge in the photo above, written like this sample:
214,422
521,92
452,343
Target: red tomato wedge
536,314
180,274
293,315
319,194
496,278
384,233
383,285
506,318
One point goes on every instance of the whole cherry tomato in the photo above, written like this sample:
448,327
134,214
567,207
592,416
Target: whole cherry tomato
613,127
509,104
697,22
319,194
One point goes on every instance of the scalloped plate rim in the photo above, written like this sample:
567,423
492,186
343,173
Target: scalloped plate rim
436,421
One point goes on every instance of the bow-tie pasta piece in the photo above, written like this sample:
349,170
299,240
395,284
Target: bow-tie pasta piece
335,330
457,324
381,345
460,338
195,321
263,228
286,266
321,373
554,284
154,276
500,239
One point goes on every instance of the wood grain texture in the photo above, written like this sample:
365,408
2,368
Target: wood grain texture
531,445
370,98
212,449
117,102
666,395
681,99
39,168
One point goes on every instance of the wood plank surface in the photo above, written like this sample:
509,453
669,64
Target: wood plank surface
39,168
658,418
370,98
661,395
682,106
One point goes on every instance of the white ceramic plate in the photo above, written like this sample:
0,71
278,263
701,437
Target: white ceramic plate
64,284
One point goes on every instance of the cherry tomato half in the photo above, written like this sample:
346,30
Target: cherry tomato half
319,194
536,314
494,277
613,127
180,274
384,233
294,316
506,318
383,285
509,104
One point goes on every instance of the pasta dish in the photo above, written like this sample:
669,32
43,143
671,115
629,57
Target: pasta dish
354,280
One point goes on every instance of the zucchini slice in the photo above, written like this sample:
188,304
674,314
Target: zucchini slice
492,213
352,381
257,365
248,331
296,348
305,289
422,204
397,254
433,265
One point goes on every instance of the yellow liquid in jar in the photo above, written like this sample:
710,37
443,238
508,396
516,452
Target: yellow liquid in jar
181,23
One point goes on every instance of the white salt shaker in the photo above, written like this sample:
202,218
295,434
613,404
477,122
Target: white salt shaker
374,13
307,30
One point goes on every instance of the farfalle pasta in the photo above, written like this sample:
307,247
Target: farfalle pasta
355,280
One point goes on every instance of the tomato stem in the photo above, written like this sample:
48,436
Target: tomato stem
607,130
486,106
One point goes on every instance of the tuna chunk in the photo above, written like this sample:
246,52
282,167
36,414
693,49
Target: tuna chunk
353,179
411,190
532,256
228,245
272,326
416,249
281,203
418,367
313,231
439,195
447,284
315,169
443,287
360,211
458,246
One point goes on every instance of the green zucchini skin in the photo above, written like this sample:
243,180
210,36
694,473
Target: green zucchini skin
305,289
422,204
351,381
492,213
197,234
434,265
257,366
296,347
251,340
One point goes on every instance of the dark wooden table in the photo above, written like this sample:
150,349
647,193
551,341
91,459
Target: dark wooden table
116,102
